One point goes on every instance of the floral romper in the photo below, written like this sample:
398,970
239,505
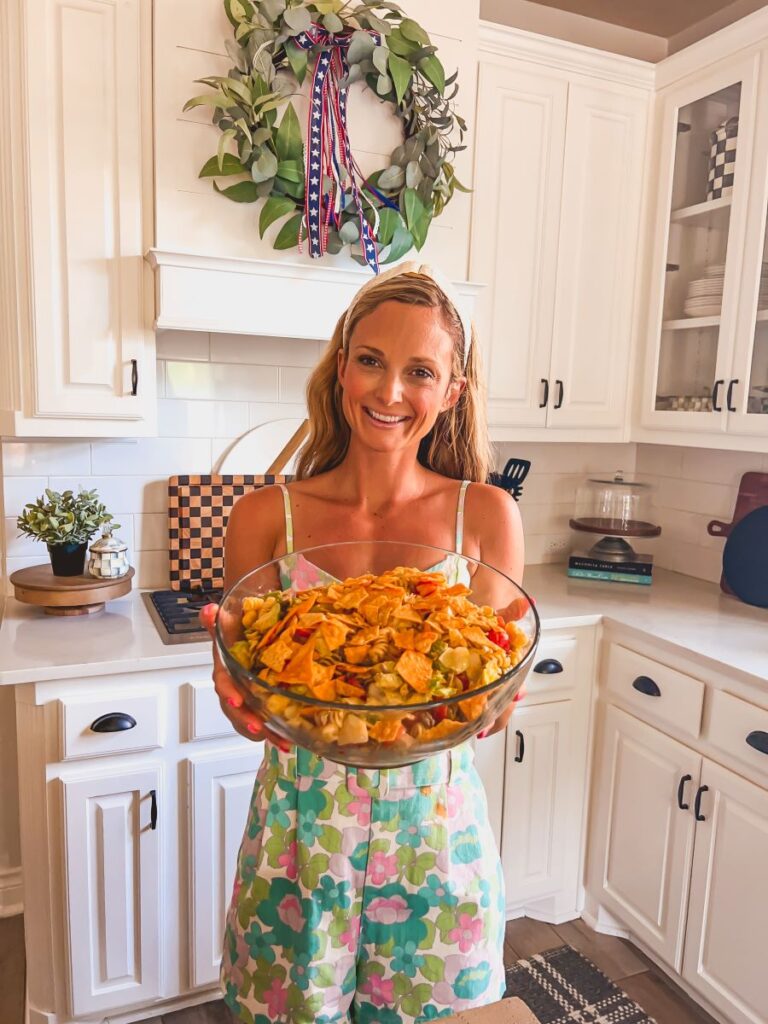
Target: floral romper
373,896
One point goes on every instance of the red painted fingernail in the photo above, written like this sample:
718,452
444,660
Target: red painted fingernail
254,727
235,702
482,735
285,747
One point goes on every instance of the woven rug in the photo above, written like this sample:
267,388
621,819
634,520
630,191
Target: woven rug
563,987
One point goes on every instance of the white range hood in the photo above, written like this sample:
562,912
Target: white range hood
259,297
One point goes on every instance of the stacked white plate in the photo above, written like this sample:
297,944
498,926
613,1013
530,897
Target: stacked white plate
705,295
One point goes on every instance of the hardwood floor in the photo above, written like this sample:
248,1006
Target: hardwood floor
619,960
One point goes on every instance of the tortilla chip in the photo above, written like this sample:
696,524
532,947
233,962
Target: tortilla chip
334,633
357,654
280,625
473,707
276,655
299,668
416,669
476,636
445,728
387,730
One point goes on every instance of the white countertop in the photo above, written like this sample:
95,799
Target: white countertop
689,614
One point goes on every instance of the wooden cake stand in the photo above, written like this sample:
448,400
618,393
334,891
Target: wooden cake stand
67,595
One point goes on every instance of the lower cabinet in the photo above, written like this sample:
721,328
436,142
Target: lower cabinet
726,942
643,837
113,841
220,789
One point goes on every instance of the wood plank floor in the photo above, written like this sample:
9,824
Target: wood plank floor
619,960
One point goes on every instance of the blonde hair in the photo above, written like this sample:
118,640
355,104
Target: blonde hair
457,446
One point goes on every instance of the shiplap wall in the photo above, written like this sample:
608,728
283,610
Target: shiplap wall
191,217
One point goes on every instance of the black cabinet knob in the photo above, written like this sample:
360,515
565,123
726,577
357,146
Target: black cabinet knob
548,667
114,721
758,740
644,684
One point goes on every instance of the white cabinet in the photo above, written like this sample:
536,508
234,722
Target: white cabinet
78,355
113,832
556,212
727,933
220,789
642,842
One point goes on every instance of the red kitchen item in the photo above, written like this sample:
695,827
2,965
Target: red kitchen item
753,494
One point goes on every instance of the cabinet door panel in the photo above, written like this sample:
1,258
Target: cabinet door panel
113,889
220,796
515,216
85,170
602,184
727,935
489,761
536,800
644,840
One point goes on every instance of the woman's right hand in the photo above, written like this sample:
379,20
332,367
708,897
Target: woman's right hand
244,721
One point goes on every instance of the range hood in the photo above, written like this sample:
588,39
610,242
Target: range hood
259,297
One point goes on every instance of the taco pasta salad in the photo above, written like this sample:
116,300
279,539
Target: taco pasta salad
404,638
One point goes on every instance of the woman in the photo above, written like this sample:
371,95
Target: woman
361,895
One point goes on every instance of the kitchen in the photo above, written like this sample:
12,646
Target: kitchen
578,263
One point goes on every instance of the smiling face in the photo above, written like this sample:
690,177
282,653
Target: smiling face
396,375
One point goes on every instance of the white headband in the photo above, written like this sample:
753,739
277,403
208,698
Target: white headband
412,267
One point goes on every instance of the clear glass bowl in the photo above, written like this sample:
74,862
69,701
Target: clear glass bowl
340,729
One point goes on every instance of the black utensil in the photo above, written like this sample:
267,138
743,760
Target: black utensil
745,558
512,476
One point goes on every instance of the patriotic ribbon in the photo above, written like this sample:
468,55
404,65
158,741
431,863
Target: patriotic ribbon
328,154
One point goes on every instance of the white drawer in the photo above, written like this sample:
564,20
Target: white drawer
738,728
205,719
555,668
129,722
655,690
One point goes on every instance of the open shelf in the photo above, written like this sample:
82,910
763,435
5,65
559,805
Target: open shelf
692,323
700,211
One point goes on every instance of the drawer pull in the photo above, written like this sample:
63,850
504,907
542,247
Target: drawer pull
153,809
114,721
681,792
758,740
548,667
697,805
644,684
520,747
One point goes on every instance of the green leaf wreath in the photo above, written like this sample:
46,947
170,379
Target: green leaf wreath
276,43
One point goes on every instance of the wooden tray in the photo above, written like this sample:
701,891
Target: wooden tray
67,595
753,493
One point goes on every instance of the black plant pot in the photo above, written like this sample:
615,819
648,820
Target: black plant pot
67,559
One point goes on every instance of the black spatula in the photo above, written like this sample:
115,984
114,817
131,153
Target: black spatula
512,476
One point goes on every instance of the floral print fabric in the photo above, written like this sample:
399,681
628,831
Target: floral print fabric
364,895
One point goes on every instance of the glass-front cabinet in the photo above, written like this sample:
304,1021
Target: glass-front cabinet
704,320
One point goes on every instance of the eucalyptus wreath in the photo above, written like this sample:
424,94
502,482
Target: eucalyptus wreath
261,155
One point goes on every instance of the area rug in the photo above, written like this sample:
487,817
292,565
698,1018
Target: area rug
563,987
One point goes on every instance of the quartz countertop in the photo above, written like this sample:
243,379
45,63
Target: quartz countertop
685,613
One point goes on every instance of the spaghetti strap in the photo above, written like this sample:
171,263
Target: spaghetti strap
460,515
288,519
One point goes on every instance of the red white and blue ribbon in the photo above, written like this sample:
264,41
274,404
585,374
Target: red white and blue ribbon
330,168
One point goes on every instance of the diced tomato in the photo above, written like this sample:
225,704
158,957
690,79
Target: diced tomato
464,680
302,634
439,712
500,638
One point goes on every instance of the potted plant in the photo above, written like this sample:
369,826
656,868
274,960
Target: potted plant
65,522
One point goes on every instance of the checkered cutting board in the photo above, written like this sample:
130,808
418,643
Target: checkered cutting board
198,511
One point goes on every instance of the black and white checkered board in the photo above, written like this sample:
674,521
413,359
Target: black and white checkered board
722,159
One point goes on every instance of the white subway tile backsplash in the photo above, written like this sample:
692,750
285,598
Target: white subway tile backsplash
178,417
660,460
694,496
38,458
160,378
545,518
230,419
152,568
719,467
132,494
263,412
242,348
192,345
293,383
17,544
19,490
161,456
151,532
222,381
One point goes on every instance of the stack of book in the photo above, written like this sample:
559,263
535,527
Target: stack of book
639,570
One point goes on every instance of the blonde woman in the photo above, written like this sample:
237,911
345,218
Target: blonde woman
373,896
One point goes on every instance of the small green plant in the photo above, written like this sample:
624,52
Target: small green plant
66,518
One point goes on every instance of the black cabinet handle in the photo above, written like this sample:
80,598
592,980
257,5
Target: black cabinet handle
697,804
729,395
520,747
134,377
545,382
548,667
758,740
114,721
715,390
153,810
559,402
644,684
681,792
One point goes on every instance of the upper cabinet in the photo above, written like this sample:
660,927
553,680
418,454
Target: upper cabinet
559,171
78,354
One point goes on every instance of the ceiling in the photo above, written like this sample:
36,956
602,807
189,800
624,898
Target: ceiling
658,17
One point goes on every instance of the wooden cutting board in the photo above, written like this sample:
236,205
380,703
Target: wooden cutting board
753,494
